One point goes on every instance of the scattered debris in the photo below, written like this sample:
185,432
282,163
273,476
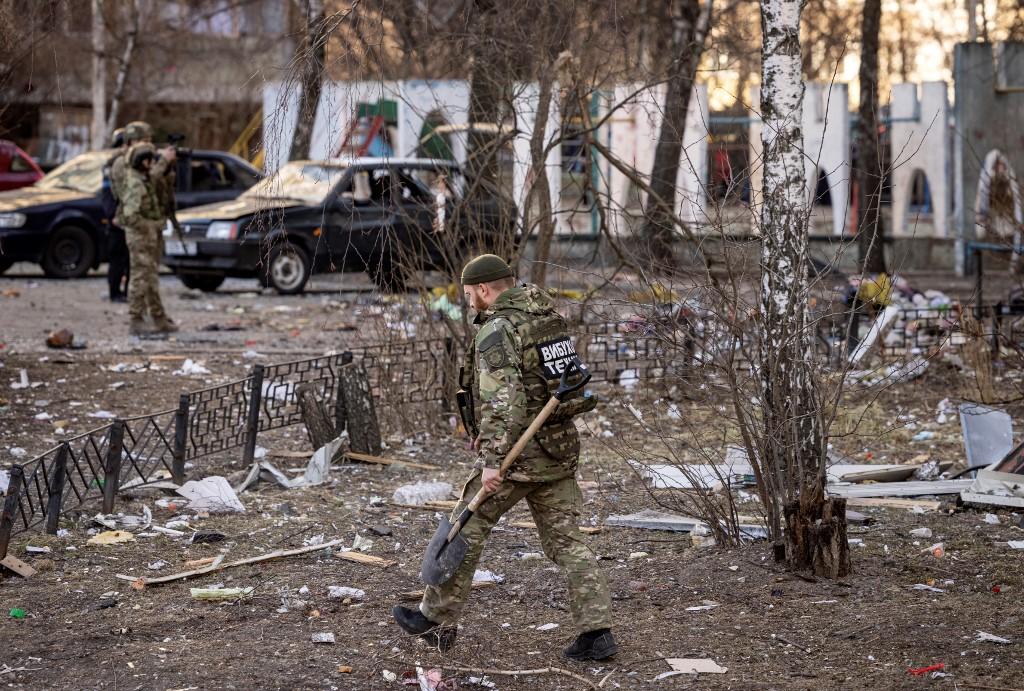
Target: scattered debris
205,536
992,519
31,549
360,558
547,627
341,592
16,565
900,489
221,593
929,588
420,493
324,637
63,338
157,565
122,522
921,532
983,637
190,368
1016,544
921,671
915,505
23,382
17,613
212,494
319,467
484,576
380,460
704,606
681,665
988,434
111,537
218,565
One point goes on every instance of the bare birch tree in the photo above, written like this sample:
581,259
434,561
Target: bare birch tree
791,443
310,67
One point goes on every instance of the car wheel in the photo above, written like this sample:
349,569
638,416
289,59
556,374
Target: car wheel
4,265
70,253
387,275
204,282
286,270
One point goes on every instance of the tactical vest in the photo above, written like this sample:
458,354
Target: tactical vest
546,349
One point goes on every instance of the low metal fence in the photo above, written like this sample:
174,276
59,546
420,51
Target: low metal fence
147,448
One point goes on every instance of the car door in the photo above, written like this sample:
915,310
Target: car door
361,215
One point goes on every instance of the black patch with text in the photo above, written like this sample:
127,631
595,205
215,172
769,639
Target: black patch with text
555,356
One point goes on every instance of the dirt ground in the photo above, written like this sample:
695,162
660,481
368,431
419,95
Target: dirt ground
84,628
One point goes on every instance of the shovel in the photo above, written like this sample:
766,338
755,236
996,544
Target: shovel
448,548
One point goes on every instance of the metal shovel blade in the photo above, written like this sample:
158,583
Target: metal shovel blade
443,558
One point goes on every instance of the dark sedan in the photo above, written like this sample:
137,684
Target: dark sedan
59,222
382,216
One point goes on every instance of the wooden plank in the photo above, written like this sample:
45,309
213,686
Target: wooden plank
894,503
418,594
140,583
17,566
442,505
362,558
380,460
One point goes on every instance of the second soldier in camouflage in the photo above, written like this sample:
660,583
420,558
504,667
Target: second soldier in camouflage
518,356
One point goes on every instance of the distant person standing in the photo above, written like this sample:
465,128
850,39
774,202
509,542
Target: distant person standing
117,247
143,219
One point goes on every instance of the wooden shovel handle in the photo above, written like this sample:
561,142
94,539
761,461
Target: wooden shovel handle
517,449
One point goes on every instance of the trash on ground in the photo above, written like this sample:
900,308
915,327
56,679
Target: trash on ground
992,519
420,493
212,494
937,550
111,537
990,638
929,588
921,671
220,593
325,637
921,532
484,576
987,434
205,536
899,489
120,521
681,665
190,368
547,627
319,468
342,592
1016,544
704,606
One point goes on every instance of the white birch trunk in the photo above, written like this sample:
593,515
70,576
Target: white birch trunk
98,133
792,449
122,69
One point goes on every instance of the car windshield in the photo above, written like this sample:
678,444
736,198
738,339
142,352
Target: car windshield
82,173
308,183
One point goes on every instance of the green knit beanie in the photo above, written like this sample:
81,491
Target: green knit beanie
484,269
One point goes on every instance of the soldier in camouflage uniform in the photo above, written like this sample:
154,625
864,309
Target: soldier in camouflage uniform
138,136
143,220
519,353
117,249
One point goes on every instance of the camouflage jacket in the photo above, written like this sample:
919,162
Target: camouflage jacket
163,174
139,205
519,353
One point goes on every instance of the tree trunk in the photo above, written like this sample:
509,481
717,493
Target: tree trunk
361,415
690,27
792,447
318,425
487,91
123,67
868,169
540,189
310,59
98,134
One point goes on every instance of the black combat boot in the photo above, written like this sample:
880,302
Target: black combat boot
412,621
593,645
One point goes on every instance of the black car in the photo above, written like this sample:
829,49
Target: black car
382,216
59,222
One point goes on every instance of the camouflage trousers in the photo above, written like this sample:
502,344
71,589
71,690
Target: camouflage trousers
555,506
144,279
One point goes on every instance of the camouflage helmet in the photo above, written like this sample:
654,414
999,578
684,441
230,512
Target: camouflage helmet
139,153
117,138
137,130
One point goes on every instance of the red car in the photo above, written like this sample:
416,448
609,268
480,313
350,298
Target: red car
16,168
